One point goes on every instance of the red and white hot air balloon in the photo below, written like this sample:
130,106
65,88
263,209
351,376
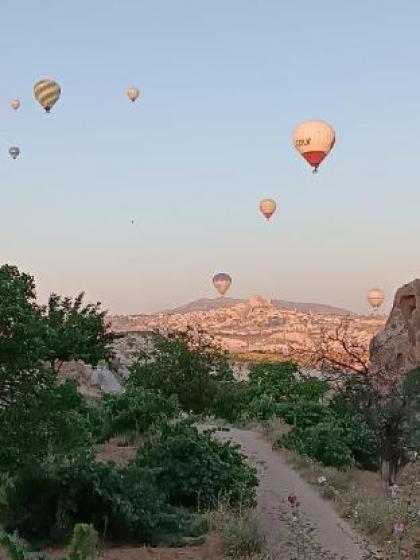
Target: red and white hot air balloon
268,207
314,140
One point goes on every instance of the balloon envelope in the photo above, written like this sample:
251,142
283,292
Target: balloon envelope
15,103
222,282
268,207
375,298
133,93
47,93
314,140
14,151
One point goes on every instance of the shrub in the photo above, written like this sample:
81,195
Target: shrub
187,364
262,407
303,415
16,550
273,379
324,442
193,469
84,543
132,413
125,504
62,431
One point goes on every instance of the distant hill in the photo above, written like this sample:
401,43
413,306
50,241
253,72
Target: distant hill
206,304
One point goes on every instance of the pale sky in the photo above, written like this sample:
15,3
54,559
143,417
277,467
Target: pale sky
223,84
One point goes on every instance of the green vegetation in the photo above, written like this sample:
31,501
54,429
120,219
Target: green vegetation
51,484
83,546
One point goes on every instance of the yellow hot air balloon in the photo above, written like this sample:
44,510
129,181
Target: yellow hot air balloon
47,93
133,93
268,207
222,282
314,140
375,298
15,104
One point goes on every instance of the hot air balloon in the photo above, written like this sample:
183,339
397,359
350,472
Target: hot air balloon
15,104
47,93
133,93
314,140
222,282
375,298
268,207
14,151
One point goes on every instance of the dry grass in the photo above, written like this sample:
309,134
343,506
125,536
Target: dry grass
211,550
240,532
363,499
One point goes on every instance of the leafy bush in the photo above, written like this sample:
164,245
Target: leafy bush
262,408
193,469
132,413
188,365
303,415
273,379
84,543
230,400
335,442
16,550
324,442
125,504
62,431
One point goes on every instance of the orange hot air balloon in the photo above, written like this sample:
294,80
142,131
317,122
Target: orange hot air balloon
268,207
314,140
15,104
375,298
222,282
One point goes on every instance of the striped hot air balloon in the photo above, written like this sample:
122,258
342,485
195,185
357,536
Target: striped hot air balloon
375,298
133,93
314,140
268,207
15,104
14,151
47,93
222,282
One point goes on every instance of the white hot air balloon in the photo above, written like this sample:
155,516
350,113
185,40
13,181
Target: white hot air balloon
375,298
268,207
133,93
314,140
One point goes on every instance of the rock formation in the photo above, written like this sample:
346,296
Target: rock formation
396,349
94,381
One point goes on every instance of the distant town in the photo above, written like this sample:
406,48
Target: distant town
257,325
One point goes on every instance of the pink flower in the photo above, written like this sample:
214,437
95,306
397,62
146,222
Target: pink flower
398,527
293,501
393,491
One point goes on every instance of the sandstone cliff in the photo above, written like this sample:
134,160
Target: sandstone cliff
396,349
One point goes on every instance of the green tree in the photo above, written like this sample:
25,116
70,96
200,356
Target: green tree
48,427
40,419
187,364
74,331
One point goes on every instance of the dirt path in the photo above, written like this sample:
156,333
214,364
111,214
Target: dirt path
320,532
